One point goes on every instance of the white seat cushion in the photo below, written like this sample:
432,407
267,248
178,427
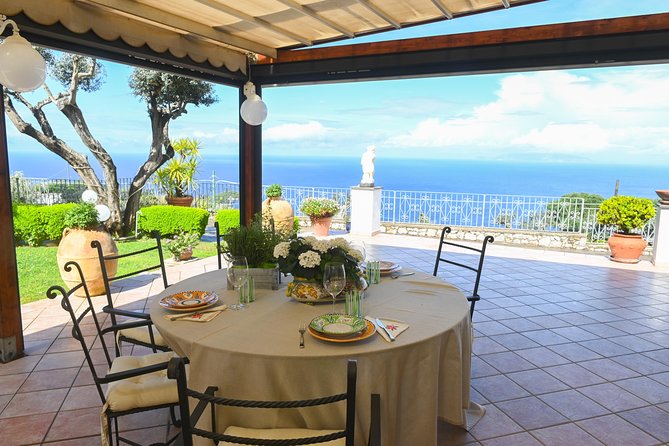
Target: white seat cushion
142,334
281,433
141,391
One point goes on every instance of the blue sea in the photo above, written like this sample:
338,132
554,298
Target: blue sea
513,178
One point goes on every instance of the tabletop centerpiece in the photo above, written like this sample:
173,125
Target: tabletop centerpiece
305,259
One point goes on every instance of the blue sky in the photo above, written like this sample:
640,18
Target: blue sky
588,115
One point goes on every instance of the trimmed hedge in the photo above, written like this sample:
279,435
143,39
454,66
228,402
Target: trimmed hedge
33,224
227,219
171,220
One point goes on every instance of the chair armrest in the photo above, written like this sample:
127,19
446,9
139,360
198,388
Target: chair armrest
128,313
123,326
118,376
375,423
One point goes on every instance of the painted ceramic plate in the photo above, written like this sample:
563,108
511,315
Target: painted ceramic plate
369,330
189,300
388,268
337,325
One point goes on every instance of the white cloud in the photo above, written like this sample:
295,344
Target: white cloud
293,132
558,112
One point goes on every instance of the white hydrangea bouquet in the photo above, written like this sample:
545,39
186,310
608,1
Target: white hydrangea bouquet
305,258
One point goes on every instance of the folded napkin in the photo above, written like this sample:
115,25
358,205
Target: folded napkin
394,326
199,316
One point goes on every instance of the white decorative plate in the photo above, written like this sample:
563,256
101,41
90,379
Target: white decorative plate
337,325
189,300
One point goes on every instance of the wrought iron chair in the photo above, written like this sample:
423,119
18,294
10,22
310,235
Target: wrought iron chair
142,335
134,383
474,297
286,436
219,253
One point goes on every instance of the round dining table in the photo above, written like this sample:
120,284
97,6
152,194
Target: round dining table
254,353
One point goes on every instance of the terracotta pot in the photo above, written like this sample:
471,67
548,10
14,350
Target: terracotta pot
76,245
626,248
281,212
664,196
186,201
186,254
321,225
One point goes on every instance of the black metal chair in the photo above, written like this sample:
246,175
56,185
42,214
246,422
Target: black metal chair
240,435
134,383
219,253
474,297
143,335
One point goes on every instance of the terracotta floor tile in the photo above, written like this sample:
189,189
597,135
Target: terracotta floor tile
652,420
9,384
573,405
149,435
565,435
515,341
521,439
574,375
29,429
4,400
542,357
21,365
82,397
646,388
531,413
537,381
49,379
44,401
507,362
86,441
449,435
612,397
481,368
641,364
494,424
574,352
38,347
614,431
74,424
608,369
486,345
498,388
52,361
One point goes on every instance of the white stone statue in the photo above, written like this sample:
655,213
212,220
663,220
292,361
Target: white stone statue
367,162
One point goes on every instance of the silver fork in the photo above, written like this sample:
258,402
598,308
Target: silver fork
302,329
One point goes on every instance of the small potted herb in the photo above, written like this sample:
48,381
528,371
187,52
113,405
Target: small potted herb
628,215
277,212
177,177
320,211
181,246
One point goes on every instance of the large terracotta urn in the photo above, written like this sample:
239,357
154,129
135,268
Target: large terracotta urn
626,248
76,245
186,201
281,212
321,225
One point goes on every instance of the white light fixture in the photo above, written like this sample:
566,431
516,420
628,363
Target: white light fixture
103,212
253,109
22,68
89,196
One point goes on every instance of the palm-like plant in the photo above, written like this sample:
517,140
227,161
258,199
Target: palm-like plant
176,178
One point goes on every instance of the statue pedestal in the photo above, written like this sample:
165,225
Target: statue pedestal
661,240
366,210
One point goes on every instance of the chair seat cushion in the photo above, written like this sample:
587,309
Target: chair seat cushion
147,390
142,334
280,433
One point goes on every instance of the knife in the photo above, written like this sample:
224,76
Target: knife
382,325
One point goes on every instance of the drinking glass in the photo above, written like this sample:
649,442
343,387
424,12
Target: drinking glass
238,274
334,280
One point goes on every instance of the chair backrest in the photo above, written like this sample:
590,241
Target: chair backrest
86,310
218,245
176,370
481,251
107,279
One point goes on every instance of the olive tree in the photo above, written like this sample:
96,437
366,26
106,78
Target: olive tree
166,96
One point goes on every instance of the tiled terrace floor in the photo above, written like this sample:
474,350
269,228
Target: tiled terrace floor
570,349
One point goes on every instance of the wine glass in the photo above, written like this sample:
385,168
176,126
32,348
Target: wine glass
238,274
334,280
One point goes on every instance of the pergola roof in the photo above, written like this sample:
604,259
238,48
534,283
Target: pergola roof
223,32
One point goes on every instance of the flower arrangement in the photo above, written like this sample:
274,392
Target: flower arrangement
306,257
319,207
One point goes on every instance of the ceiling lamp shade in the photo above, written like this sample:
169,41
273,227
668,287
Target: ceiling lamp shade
253,110
22,68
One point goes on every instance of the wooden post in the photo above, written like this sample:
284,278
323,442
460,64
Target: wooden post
11,329
250,166
615,192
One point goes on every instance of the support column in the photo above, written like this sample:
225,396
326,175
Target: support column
11,329
661,241
250,165
365,210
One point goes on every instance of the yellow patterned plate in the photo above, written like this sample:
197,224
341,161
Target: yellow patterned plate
369,330
189,300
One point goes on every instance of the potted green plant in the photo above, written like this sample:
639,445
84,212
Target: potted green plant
256,242
177,177
320,212
277,212
181,246
81,228
627,215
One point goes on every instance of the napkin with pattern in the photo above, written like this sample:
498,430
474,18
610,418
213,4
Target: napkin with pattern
394,326
202,316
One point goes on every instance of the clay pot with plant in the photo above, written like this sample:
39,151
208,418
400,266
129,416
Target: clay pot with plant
177,177
277,213
181,246
81,228
628,215
320,211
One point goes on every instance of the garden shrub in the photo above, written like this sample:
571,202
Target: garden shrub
33,224
227,219
172,220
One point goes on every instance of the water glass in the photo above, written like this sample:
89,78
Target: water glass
238,273
354,303
334,280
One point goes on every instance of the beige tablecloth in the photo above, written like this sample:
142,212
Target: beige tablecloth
255,354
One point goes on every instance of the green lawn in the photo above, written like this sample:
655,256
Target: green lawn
38,269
